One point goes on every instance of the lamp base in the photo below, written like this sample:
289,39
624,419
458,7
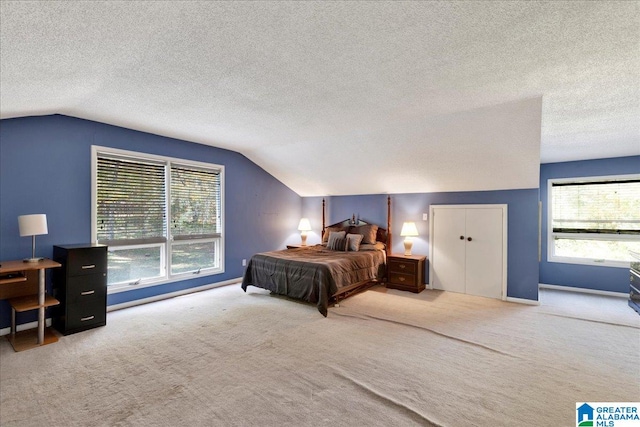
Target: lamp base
407,246
32,259
303,238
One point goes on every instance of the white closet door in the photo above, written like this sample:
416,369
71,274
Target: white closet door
448,249
484,257
469,249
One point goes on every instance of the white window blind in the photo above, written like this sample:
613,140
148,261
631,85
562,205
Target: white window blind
603,207
161,217
195,203
131,202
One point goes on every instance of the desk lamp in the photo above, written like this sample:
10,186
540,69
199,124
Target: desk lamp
303,227
408,231
32,225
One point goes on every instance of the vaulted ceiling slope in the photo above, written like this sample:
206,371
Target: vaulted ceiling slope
343,97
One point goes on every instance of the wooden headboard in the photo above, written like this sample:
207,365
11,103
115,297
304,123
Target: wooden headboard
384,234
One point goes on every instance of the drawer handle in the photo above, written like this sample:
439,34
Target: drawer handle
87,267
402,266
401,279
84,319
87,293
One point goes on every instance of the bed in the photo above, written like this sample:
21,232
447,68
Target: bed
323,274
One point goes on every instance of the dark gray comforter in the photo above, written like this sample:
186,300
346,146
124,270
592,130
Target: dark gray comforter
312,273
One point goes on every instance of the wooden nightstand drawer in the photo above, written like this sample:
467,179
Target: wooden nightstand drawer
402,279
402,266
406,272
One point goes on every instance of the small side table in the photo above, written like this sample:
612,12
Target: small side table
293,246
406,272
26,291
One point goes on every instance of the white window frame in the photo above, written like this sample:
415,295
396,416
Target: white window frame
163,263
551,257
172,243
166,247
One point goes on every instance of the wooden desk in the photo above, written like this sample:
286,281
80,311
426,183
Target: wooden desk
23,285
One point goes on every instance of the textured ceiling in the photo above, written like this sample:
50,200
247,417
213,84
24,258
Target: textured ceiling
343,97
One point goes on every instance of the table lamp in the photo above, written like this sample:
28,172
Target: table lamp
32,225
408,231
303,227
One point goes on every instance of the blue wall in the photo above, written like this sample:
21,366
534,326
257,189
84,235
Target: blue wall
522,259
45,167
582,276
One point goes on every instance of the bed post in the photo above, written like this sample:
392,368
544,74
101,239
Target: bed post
388,224
323,221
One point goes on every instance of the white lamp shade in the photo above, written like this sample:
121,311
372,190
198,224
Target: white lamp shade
304,225
32,225
409,229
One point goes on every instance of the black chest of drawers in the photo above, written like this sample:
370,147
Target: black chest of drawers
634,279
81,287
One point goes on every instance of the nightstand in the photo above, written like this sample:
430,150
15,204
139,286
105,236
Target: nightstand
406,272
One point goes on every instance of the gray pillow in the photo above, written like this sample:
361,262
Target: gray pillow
328,230
337,241
353,242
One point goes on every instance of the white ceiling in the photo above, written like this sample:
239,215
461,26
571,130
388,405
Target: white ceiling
343,97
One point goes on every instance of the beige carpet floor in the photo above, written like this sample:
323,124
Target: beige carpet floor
383,358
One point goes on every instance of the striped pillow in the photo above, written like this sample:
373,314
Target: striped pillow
337,241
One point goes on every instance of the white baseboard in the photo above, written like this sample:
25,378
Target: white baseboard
172,294
508,299
24,326
522,301
583,290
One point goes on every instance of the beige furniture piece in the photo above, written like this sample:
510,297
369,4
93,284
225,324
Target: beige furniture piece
22,284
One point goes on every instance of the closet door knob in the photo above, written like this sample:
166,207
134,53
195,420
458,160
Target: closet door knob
469,238
461,237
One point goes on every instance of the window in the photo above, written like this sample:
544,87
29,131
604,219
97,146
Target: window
594,220
195,218
160,217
